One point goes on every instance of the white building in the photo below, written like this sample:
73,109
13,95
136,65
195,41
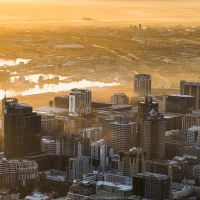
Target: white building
100,151
118,179
78,167
80,101
191,135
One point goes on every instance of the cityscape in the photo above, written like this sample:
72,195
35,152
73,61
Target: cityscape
99,99
143,147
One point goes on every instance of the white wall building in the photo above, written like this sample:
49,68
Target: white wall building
80,101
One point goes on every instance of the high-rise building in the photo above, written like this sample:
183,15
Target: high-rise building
93,133
80,101
48,124
7,102
145,107
119,98
176,103
122,134
142,84
132,161
100,153
191,88
22,131
153,136
151,186
78,167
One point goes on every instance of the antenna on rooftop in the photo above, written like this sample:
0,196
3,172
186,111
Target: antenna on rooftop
5,94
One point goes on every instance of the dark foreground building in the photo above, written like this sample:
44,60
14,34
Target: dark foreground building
22,131
151,186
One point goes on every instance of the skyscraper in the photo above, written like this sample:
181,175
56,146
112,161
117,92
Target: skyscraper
80,101
142,84
7,102
122,134
22,131
132,161
144,108
152,136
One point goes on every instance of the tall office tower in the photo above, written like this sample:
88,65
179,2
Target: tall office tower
151,186
132,161
119,98
80,101
192,134
122,134
7,102
145,107
100,153
176,103
191,119
78,167
142,84
22,131
153,136
93,133
191,88
8,174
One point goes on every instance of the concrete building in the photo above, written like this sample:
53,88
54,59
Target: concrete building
101,155
132,161
27,171
191,88
151,186
192,135
153,136
48,124
8,174
119,98
142,84
112,190
80,101
122,134
93,176
81,190
191,119
176,103
93,133
118,178
49,146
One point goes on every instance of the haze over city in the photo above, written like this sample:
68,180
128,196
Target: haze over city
100,99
